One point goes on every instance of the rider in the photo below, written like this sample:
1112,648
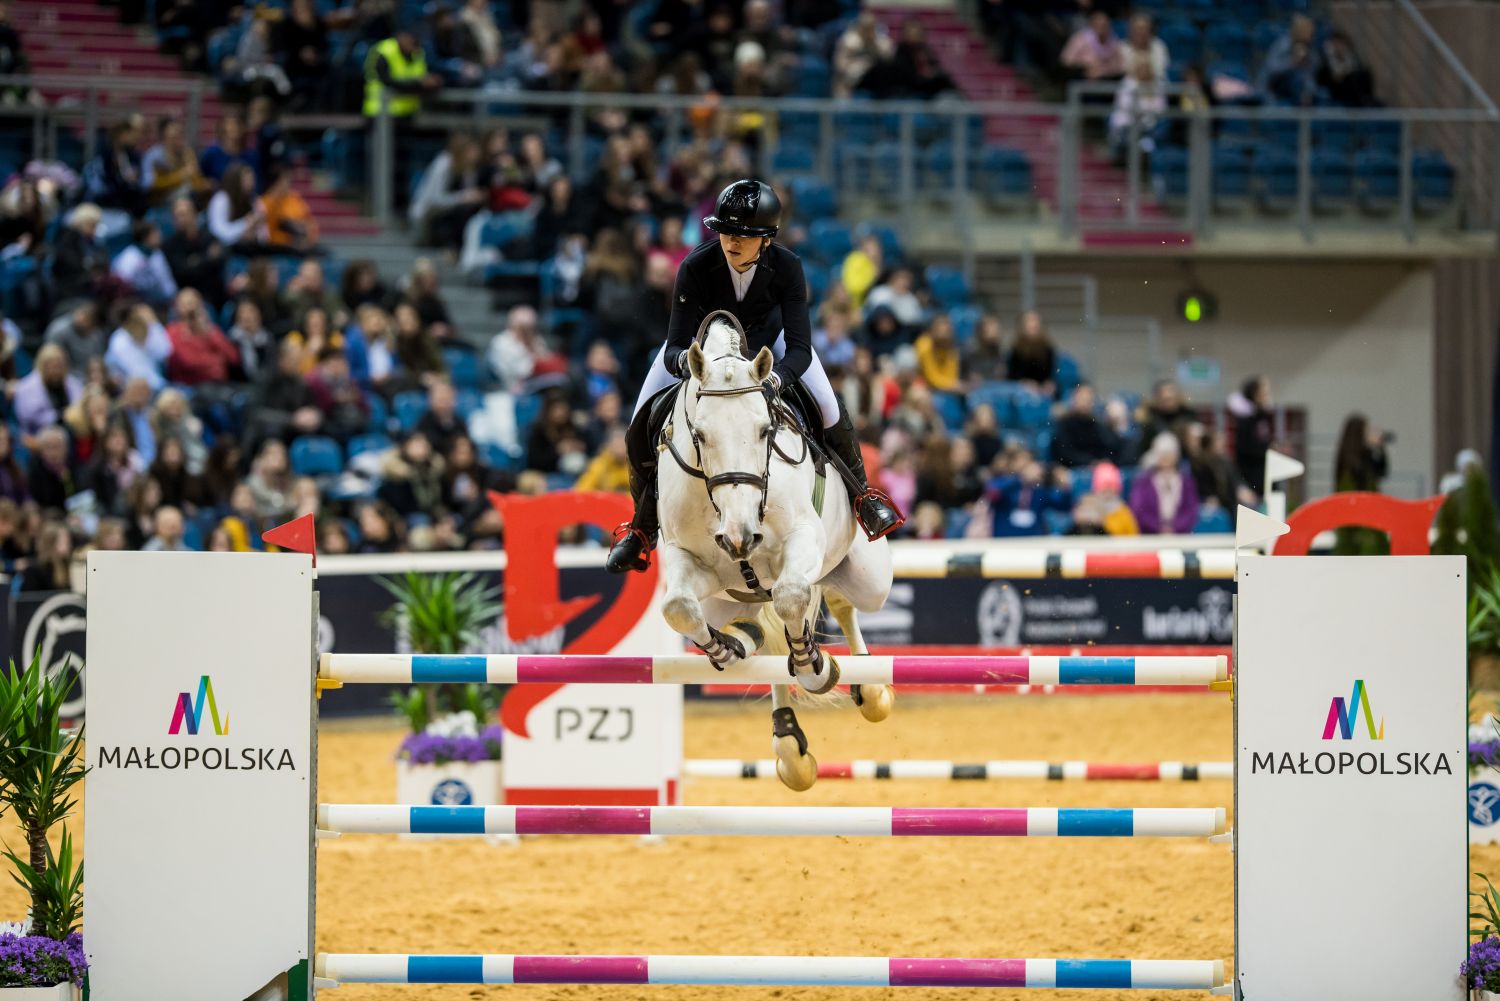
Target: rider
761,283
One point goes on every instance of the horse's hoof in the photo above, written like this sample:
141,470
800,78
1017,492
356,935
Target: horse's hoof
823,681
876,701
796,770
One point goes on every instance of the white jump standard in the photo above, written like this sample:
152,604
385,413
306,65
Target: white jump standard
511,669
785,971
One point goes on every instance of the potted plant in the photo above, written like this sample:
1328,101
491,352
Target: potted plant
1481,971
1467,526
451,756
40,763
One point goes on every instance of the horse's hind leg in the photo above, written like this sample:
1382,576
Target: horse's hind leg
795,766
875,701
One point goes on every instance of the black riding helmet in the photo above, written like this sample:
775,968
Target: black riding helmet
746,208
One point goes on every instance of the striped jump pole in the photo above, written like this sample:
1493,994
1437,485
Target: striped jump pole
1091,771
759,821
510,669
1069,564
787,971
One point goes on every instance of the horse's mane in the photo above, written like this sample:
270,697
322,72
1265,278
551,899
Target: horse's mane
722,337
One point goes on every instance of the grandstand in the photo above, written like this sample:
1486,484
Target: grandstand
274,290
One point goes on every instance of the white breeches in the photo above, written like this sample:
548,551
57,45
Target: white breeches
814,380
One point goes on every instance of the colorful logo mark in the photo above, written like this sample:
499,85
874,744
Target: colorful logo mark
1341,715
191,715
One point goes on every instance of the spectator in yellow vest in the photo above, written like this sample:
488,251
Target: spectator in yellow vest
937,354
861,268
399,65
610,469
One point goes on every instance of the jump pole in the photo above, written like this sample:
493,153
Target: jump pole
1090,771
509,669
1015,563
763,821
788,971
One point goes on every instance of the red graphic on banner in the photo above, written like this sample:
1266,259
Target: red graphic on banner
533,584
1406,522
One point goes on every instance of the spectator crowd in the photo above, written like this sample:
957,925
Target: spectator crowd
185,367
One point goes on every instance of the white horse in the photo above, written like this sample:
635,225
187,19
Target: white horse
739,504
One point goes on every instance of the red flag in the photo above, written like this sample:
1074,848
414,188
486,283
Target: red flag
297,536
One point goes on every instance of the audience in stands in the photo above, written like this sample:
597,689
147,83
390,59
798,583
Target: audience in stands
1164,498
1094,52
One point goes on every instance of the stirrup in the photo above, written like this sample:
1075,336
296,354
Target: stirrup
875,493
626,530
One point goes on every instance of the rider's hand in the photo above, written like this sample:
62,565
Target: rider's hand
772,385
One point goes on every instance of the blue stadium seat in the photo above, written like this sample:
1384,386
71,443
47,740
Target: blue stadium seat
947,285
380,414
467,403
1278,129
316,455
1227,39
409,407
1275,177
829,240
1031,411
1004,174
965,321
1379,134
1231,175
793,159
814,78
527,408
813,199
1169,173
818,277
936,176
504,227
998,396
890,240
951,407
1215,520
1377,181
1068,374
375,441
1332,181
1432,181
464,368
1183,39
1267,32
1335,135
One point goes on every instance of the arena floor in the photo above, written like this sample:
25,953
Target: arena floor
1165,898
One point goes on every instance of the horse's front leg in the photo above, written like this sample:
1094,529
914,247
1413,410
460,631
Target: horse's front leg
796,603
688,583
795,765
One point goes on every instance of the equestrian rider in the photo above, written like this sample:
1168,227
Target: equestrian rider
761,283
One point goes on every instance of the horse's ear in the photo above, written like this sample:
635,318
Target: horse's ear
762,365
696,363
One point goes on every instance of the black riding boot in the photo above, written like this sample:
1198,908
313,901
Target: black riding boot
635,539
876,512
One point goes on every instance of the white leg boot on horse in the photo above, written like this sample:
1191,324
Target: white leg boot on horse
688,584
797,603
875,701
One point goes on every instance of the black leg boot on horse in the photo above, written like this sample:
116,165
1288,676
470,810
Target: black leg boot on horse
877,513
635,539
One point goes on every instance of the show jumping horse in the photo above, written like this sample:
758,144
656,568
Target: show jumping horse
742,502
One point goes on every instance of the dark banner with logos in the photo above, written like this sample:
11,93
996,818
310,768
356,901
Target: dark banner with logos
964,612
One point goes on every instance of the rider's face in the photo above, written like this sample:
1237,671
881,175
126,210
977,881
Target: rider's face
740,251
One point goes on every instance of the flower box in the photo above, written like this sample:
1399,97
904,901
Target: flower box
58,992
455,783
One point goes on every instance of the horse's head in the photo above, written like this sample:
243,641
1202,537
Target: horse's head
732,427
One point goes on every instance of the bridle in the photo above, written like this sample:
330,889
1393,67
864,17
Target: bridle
779,418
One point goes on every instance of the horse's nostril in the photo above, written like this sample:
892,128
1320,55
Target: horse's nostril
756,540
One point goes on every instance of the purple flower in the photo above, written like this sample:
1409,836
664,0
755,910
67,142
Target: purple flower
1483,753
1482,968
36,961
433,749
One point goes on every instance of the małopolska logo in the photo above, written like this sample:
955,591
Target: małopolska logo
1342,715
191,715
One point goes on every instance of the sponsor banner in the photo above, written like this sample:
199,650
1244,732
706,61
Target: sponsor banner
923,612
